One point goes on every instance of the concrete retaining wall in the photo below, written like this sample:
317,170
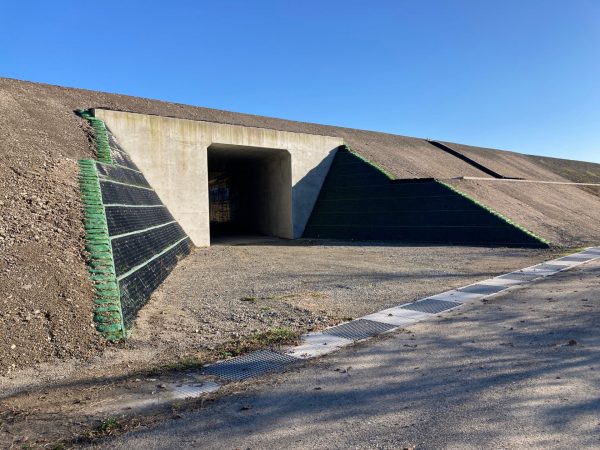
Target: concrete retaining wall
172,154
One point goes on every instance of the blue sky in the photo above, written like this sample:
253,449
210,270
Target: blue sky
520,75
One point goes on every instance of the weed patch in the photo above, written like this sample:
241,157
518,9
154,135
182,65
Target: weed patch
274,337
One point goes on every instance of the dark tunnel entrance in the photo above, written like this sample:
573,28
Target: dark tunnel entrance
250,191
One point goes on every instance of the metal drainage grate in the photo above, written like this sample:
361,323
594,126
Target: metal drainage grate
250,365
431,306
359,329
484,289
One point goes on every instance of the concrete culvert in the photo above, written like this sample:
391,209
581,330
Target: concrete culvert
250,191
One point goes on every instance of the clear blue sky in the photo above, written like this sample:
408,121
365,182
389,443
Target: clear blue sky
521,75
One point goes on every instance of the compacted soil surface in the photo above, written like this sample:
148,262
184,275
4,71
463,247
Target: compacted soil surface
223,292
520,370
225,300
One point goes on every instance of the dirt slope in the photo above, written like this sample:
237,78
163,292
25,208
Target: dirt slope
45,307
531,167
508,164
45,301
558,213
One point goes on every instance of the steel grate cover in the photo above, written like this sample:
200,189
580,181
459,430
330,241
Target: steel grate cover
431,306
250,365
484,289
359,329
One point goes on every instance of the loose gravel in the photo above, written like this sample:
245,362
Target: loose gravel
224,293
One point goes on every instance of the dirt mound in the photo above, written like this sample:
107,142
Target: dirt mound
45,306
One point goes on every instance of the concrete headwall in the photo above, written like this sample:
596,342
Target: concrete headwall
172,154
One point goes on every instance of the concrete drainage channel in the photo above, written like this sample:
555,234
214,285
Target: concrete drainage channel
214,376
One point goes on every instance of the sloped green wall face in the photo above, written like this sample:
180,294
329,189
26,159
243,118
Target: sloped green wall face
133,240
358,201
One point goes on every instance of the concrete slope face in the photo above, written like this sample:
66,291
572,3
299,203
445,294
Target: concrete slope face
359,201
276,175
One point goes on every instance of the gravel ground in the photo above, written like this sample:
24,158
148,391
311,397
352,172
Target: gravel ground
220,296
520,370
225,292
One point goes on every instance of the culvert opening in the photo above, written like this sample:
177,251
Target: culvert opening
250,192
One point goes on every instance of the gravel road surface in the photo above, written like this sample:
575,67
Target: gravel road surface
226,292
520,370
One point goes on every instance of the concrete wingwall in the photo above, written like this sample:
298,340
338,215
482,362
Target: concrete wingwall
172,154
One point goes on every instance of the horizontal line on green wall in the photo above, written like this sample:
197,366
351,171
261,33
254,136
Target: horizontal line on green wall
121,205
385,197
108,180
120,167
131,233
158,255
395,211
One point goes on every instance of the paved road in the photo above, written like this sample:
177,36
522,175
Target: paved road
521,370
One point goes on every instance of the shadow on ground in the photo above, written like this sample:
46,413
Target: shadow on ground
522,370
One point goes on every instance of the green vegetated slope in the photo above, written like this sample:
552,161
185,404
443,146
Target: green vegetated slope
360,201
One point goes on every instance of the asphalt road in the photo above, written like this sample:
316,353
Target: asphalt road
520,370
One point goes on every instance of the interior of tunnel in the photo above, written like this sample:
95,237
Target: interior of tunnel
250,192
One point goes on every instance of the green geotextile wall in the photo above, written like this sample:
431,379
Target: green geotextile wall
361,201
103,153
107,314
132,239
